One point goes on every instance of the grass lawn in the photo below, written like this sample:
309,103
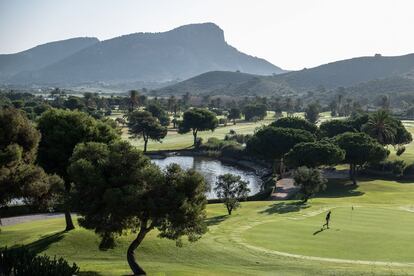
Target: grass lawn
258,238
173,140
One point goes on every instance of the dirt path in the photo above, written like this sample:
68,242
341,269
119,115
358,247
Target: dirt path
21,219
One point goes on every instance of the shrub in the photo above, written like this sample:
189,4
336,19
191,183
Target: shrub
239,138
397,167
400,150
409,170
21,261
223,121
232,150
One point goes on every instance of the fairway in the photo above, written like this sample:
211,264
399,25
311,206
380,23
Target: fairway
362,233
249,242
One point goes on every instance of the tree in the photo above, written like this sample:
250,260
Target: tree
314,154
136,195
234,113
61,130
158,112
360,149
312,113
272,143
143,124
197,119
310,181
333,128
19,176
386,130
231,189
74,103
133,99
295,122
254,110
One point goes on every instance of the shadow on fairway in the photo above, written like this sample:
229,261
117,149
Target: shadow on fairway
43,243
339,188
283,207
319,231
216,220
89,273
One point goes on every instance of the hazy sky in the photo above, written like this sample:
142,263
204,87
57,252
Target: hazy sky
289,33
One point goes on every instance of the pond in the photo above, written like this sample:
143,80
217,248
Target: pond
211,169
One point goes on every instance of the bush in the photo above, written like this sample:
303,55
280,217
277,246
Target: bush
232,151
397,168
214,144
400,150
21,261
223,121
409,170
239,138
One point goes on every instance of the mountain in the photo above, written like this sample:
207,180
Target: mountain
41,56
177,54
348,72
375,74
214,82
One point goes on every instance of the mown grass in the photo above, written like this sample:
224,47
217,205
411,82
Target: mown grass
174,140
380,229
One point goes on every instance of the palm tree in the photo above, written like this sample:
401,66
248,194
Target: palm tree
380,126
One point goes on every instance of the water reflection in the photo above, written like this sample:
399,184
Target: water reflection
211,169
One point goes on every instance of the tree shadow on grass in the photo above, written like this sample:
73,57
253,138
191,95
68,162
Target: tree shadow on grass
216,220
89,273
283,207
339,188
44,242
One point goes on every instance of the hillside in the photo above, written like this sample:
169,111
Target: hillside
41,56
375,74
177,54
348,72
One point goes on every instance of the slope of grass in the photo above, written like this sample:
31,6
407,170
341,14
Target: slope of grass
247,242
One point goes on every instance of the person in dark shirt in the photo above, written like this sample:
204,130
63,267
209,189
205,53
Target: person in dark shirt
328,218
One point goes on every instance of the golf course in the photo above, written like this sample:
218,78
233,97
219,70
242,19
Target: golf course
371,233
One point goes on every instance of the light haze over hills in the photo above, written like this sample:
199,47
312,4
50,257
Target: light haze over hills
154,57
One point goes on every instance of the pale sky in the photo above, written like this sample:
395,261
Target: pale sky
292,34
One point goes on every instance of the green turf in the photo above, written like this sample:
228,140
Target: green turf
380,229
173,140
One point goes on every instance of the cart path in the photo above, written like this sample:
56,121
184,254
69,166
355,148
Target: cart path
27,218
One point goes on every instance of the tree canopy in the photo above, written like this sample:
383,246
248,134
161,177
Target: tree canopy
158,112
61,131
198,119
360,149
314,154
143,124
274,142
386,130
19,176
332,128
119,189
312,112
254,110
231,189
234,113
310,181
295,122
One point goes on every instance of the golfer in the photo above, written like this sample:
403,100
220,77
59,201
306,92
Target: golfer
328,218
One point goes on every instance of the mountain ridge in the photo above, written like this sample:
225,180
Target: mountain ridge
180,53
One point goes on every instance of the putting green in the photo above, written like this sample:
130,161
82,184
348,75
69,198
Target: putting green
367,234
